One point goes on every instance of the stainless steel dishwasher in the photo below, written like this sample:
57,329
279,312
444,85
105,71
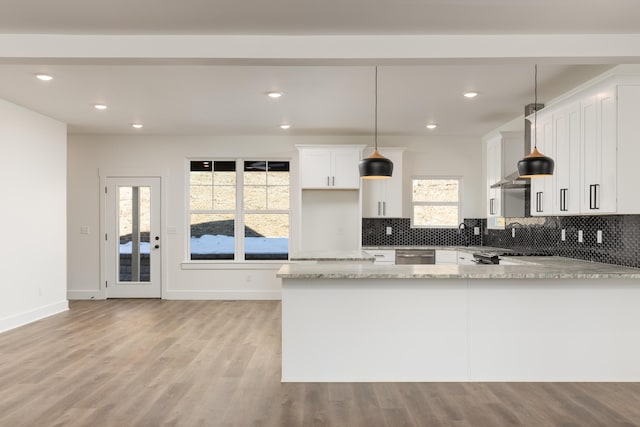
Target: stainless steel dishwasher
415,256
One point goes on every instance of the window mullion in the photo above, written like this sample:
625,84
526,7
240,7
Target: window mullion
239,224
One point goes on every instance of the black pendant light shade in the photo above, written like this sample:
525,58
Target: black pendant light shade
536,164
376,166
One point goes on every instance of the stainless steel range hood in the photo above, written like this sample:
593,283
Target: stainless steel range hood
512,180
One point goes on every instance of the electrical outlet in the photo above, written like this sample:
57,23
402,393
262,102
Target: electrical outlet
389,230
476,231
563,234
599,236
513,232
580,236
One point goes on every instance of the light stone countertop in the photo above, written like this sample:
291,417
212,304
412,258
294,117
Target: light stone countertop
531,267
354,255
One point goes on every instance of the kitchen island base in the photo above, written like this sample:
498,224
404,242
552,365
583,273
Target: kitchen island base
373,330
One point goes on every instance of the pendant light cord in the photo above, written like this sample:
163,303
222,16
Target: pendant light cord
376,111
535,108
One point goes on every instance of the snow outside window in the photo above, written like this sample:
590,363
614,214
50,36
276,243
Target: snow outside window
239,210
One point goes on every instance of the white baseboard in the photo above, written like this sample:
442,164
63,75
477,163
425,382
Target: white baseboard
23,318
222,295
73,295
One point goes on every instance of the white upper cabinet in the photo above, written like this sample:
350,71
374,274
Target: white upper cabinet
329,166
503,152
599,140
628,148
542,193
566,136
383,197
494,174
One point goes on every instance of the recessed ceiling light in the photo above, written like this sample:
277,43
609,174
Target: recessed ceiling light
470,94
274,94
99,106
137,125
44,77
284,126
432,126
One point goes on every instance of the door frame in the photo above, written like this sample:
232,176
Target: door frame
103,229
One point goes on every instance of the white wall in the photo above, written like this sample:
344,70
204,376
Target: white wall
33,257
449,156
91,156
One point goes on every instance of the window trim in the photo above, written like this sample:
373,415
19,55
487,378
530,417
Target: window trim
238,227
458,204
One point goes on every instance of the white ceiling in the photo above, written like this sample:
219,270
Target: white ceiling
320,16
321,98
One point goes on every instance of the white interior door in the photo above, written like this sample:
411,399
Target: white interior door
132,238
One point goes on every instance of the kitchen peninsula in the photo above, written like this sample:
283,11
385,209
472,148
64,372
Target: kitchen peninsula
544,319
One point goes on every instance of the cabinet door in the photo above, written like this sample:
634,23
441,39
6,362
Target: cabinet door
315,168
345,173
607,108
566,137
383,197
445,257
598,143
542,188
494,174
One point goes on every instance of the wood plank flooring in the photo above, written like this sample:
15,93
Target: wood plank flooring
217,363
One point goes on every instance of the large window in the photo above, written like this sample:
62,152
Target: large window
436,201
239,210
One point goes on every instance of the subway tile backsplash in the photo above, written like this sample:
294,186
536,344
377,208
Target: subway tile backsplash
533,235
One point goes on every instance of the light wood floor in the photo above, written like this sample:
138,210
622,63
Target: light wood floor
210,363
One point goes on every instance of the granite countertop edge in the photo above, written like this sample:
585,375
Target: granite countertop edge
527,268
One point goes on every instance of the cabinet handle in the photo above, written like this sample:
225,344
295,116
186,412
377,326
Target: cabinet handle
563,199
491,208
333,181
384,208
594,195
378,208
328,182
539,201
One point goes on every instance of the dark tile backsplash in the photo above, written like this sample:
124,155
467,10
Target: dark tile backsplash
620,237
534,235
374,233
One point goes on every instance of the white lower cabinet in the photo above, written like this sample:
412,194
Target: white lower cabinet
383,256
446,256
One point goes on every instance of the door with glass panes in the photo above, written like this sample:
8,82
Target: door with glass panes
132,237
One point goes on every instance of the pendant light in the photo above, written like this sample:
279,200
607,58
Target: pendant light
536,164
376,166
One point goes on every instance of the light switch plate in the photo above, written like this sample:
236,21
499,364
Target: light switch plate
563,234
580,236
476,231
389,230
513,232
599,236
84,229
